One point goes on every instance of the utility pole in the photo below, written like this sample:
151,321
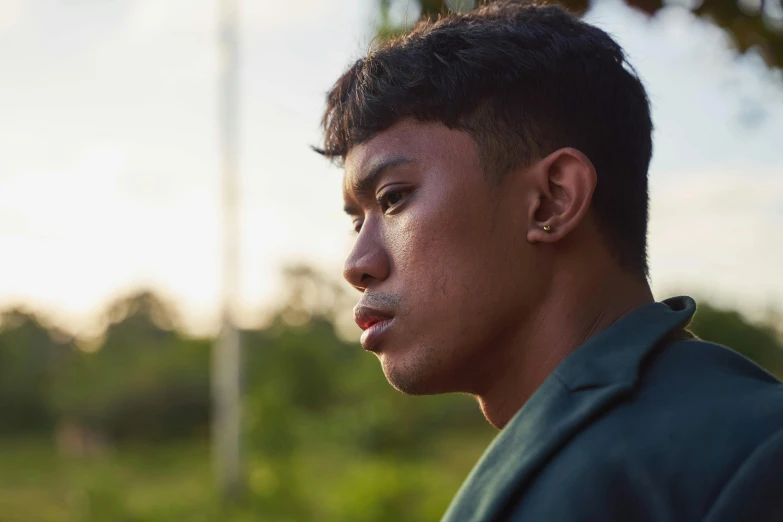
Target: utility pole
226,354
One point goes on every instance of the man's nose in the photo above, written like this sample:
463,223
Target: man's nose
368,261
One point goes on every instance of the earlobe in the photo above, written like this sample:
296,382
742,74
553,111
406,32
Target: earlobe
565,181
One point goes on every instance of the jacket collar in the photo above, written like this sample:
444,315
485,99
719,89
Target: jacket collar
587,382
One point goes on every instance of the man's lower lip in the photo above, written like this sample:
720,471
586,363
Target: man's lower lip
370,336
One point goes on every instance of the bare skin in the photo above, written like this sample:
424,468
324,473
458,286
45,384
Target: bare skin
463,289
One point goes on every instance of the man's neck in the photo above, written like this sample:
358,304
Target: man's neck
572,312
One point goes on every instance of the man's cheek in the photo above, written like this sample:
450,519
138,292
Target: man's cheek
413,243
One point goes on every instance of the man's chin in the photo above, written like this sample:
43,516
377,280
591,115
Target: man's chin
411,379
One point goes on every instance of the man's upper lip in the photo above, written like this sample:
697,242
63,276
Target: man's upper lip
367,316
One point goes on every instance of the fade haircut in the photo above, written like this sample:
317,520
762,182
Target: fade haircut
523,80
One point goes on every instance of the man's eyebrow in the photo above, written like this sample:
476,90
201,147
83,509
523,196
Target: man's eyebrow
366,183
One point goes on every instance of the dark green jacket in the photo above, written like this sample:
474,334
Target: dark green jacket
638,425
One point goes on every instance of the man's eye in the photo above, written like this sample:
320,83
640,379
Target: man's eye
388,200
357,226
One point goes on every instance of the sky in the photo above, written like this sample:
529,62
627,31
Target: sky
110,164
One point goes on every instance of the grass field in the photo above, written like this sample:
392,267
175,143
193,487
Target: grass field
173,482
133,484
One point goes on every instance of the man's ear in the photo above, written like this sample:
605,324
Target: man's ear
563,186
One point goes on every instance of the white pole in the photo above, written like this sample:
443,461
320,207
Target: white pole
226,355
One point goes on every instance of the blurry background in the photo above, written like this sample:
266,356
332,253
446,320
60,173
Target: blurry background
111,251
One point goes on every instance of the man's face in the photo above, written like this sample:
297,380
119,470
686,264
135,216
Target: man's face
441,257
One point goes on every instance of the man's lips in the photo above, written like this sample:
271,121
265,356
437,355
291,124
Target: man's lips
366,316
374,322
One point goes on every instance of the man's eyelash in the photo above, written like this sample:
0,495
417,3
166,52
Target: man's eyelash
384,204
384,198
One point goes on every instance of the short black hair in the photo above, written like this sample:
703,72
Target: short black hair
523,80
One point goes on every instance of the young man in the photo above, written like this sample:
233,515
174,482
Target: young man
496,173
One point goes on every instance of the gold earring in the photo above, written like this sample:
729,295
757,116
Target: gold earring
547,228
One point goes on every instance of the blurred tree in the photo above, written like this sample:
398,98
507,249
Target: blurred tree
142,379
751,24
30,355
309,293
758,342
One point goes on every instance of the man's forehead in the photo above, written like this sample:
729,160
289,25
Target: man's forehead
408,138
385,144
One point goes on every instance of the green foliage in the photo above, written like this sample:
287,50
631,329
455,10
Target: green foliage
172,482
757,342
30,356
143,381
133,484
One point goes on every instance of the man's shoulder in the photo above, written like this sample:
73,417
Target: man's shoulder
699,397
700,410
669,448
704,379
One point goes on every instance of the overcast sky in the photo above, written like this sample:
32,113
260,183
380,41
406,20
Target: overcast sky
109,163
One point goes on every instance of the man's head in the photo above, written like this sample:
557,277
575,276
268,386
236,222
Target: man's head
489,157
